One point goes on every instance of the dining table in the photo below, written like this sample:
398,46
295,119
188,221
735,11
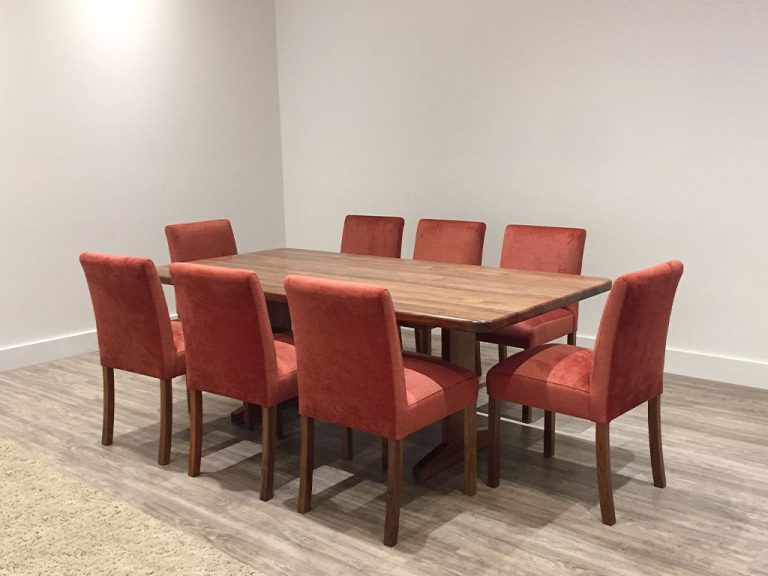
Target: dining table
463,300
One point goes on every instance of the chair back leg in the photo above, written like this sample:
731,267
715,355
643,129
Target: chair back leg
195,399
549,434
394,486
108,418
268,440
604,484
307,455
494,441
166,422
470,451
527,415
346,443
654,437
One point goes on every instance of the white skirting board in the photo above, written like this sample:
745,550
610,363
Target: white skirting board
31,353
741,371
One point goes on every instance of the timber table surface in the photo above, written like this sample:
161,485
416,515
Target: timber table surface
454,296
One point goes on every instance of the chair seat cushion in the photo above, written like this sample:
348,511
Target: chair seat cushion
554,377
534,331
287,381
434,389
180,363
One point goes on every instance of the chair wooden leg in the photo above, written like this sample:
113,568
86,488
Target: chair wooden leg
654,437
478,359
418,336
526,416
307,464
502,352
394,486
604,484
384,449
108,417
549,434
470,451
195,431
247,416
346,443
572,338
423,340
445,344
280,418
166,422
268,439
494,441
189,402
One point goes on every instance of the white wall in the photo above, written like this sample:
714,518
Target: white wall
644,122
117,118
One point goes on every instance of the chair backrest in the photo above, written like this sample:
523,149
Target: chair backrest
450,241
227,335
132,323
628,364
372,235
350,364
200,240
544,249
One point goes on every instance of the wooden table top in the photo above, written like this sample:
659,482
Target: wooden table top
455,296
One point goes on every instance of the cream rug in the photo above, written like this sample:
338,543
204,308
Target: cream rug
54,525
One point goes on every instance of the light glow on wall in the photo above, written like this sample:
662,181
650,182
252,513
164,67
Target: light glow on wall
116,23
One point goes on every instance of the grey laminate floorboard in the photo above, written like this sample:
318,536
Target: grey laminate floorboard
544,518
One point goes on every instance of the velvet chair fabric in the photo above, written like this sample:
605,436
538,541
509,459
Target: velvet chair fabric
200,240
624,370
352,372
133,327
541,249
231,352
372,235
134,333
451,241
351,368
230,347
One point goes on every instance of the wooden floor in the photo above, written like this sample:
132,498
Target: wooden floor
544,518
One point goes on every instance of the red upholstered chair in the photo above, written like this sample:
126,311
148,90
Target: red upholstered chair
625,369
372,235
231,352
541,249
134,332
450,241
352,372
200,240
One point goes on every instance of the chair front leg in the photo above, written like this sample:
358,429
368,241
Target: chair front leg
654,437
307,456
108,416
494,441
572,339
166,421
502,352
346,443
470,451
195,431
394,486
604,484
549,434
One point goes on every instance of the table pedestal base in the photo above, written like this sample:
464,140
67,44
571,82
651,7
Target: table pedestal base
460,350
